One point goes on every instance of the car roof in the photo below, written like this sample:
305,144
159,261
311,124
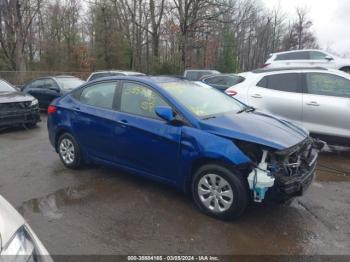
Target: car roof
117,71
145,79
65,76
201,70
295,51
267,70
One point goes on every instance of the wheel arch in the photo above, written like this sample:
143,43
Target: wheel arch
59,133
199,162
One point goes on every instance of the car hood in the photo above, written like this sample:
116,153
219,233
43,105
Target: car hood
256,127
10,222
11,97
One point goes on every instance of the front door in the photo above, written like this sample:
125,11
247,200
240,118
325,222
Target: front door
148,144
326,104
50,91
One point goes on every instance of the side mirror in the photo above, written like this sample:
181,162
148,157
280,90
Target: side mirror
165,113
329,58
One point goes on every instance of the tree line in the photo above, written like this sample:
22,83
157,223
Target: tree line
151,36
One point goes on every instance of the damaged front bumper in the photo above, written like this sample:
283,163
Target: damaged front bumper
19,116
298,170
290,172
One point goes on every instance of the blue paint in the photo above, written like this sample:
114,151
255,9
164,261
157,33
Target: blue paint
164,150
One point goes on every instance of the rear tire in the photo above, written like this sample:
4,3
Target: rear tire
69,151
219,192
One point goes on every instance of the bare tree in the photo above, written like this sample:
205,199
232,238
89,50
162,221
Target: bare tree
16,17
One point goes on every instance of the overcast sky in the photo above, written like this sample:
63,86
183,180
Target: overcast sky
331,20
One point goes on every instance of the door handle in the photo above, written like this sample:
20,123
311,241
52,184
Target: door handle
313,103
77,108
123,122
257,96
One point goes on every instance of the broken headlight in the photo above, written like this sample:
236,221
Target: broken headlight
34,102
21,247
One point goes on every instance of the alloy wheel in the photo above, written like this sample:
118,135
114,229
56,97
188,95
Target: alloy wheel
67,151
215,193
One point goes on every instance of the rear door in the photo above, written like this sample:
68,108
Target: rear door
147,143
278,94
95,122
326,104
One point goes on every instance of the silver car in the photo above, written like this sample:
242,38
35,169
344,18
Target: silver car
18,242
316,98
308,57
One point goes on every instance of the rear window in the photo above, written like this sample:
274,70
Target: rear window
282,82
293,56
197,75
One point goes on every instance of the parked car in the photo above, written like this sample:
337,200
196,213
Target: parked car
316,98
307,58
196,75
186,134
222,81
99,74
17,108
18,241
46,89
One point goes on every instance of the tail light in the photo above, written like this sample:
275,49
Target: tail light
265,65
51,110
231,92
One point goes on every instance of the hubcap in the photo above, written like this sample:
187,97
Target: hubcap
67,151
215,193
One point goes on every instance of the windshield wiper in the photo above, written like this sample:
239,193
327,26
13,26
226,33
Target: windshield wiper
208,117
246,109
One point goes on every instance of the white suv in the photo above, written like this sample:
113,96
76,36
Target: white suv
316,98
312,57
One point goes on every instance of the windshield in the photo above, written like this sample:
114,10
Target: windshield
5,87
201,99
69,82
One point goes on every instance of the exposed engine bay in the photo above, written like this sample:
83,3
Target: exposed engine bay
285,173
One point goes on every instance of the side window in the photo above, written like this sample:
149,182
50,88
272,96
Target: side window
192,75
100,95
294,56
140,100
49,83
211,80
284,82
262,82
37,83
315,55
328,85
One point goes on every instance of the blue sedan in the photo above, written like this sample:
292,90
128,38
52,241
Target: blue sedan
185,134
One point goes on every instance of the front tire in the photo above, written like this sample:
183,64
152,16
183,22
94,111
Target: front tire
219,192
69,151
